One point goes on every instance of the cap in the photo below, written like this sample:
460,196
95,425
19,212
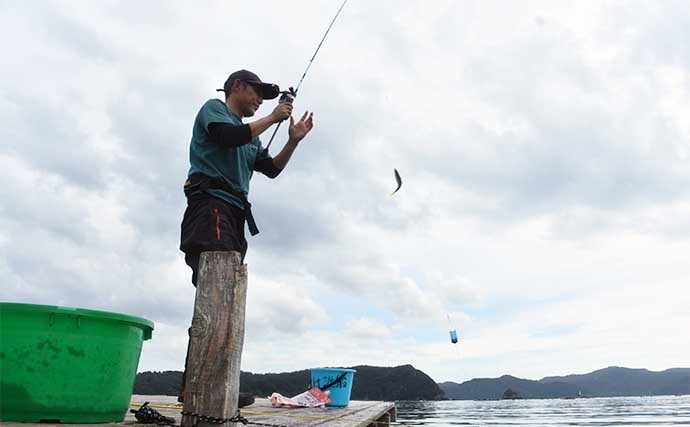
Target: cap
268,90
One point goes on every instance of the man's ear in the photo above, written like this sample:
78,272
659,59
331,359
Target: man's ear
236,85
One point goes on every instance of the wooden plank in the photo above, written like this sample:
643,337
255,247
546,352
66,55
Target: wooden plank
217,337
382,421
357,414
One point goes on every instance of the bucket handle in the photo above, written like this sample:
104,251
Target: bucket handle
337,380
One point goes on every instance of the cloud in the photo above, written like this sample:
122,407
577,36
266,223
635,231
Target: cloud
281,308
543,149
367,328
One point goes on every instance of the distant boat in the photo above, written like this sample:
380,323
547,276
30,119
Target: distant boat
579,395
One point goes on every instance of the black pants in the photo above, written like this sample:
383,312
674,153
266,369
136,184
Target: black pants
209,224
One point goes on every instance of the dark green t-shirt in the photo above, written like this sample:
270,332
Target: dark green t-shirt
235,164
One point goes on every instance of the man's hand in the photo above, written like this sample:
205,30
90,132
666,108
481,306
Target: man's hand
281,112
300,129
296,132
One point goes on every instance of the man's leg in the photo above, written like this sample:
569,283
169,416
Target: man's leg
192,260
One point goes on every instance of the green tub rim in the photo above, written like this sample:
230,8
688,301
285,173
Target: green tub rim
145,324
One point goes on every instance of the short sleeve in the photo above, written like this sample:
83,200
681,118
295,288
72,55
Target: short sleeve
214,111
260,152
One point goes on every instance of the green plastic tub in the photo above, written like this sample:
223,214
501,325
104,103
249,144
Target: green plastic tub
67,365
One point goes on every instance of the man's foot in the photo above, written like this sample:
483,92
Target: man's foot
244,399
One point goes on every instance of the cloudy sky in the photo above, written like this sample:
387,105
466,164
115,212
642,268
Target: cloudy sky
544,149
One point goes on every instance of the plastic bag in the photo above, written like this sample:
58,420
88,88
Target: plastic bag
312,398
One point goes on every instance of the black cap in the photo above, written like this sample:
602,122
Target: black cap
268,90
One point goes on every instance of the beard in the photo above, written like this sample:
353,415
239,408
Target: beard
248,111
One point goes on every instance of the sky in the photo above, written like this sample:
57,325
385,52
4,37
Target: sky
543,147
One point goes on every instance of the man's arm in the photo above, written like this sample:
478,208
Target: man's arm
281,160
265,166
231,135
280,113
296,133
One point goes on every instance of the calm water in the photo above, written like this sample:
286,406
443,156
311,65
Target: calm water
609,411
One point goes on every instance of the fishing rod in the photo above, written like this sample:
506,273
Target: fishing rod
290,94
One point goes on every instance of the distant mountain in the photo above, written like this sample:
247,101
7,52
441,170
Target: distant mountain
494,388
370,383
398,383
617,381
165,383
407,383
612,381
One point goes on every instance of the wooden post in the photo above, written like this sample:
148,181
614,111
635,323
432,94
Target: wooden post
216,339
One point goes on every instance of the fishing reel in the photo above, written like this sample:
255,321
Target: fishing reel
287,96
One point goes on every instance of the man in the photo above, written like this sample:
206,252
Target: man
224,153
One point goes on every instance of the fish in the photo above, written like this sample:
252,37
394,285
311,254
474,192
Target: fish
398,180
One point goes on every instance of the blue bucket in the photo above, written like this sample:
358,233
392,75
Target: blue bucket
340,381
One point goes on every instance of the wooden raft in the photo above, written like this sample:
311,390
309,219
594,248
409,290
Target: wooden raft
357,414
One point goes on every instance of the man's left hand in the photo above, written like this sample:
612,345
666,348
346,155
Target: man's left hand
300,129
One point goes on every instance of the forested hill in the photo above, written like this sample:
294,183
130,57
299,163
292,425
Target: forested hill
494,388
370,383
612,381
617,381
407,383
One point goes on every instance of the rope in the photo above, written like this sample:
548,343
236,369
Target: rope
146,415
238,418
338,380
274,414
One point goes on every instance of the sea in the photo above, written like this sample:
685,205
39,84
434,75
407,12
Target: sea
599,411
